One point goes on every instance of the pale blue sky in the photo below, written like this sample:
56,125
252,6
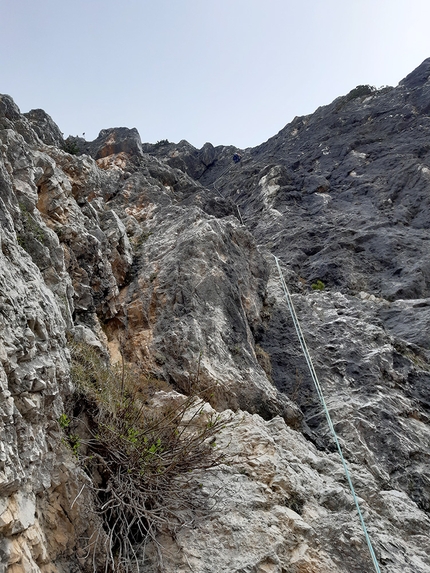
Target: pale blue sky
229,72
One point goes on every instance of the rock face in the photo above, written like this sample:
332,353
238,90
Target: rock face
342,195
282,506
162,254
45,127
38,481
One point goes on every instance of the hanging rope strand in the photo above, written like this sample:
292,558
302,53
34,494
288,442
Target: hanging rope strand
324,405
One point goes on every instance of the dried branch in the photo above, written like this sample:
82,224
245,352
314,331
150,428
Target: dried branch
143,458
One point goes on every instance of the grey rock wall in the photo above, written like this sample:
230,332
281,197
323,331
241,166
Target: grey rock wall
140,250
38,481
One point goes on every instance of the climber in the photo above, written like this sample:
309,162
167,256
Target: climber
237,157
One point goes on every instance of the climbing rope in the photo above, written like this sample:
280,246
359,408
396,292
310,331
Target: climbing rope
324,405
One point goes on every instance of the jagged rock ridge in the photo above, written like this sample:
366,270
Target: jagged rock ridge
141,249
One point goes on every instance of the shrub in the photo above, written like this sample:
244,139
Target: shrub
70,146
318,285
139,458
161,143
64,421
360,91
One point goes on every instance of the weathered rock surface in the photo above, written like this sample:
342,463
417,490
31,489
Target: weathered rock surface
194,307
140,249
342,195
45,127
281,505
183,156
38,483
115,141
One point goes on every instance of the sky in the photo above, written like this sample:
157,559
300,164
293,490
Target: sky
232,72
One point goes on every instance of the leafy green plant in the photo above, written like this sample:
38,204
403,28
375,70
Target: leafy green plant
360,91
71,440
64,421
318,285
75,442
161,143
70,146
141,459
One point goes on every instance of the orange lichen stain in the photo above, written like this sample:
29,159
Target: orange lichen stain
112,160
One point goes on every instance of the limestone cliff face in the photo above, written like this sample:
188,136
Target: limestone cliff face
141,250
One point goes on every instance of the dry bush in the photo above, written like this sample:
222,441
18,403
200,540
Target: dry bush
141,459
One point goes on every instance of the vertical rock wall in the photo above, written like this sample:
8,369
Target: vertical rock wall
121,247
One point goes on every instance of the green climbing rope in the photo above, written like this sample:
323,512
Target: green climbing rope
324,405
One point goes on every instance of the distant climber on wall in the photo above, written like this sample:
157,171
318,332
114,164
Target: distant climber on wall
237,157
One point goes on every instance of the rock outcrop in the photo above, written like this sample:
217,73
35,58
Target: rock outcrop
161,255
